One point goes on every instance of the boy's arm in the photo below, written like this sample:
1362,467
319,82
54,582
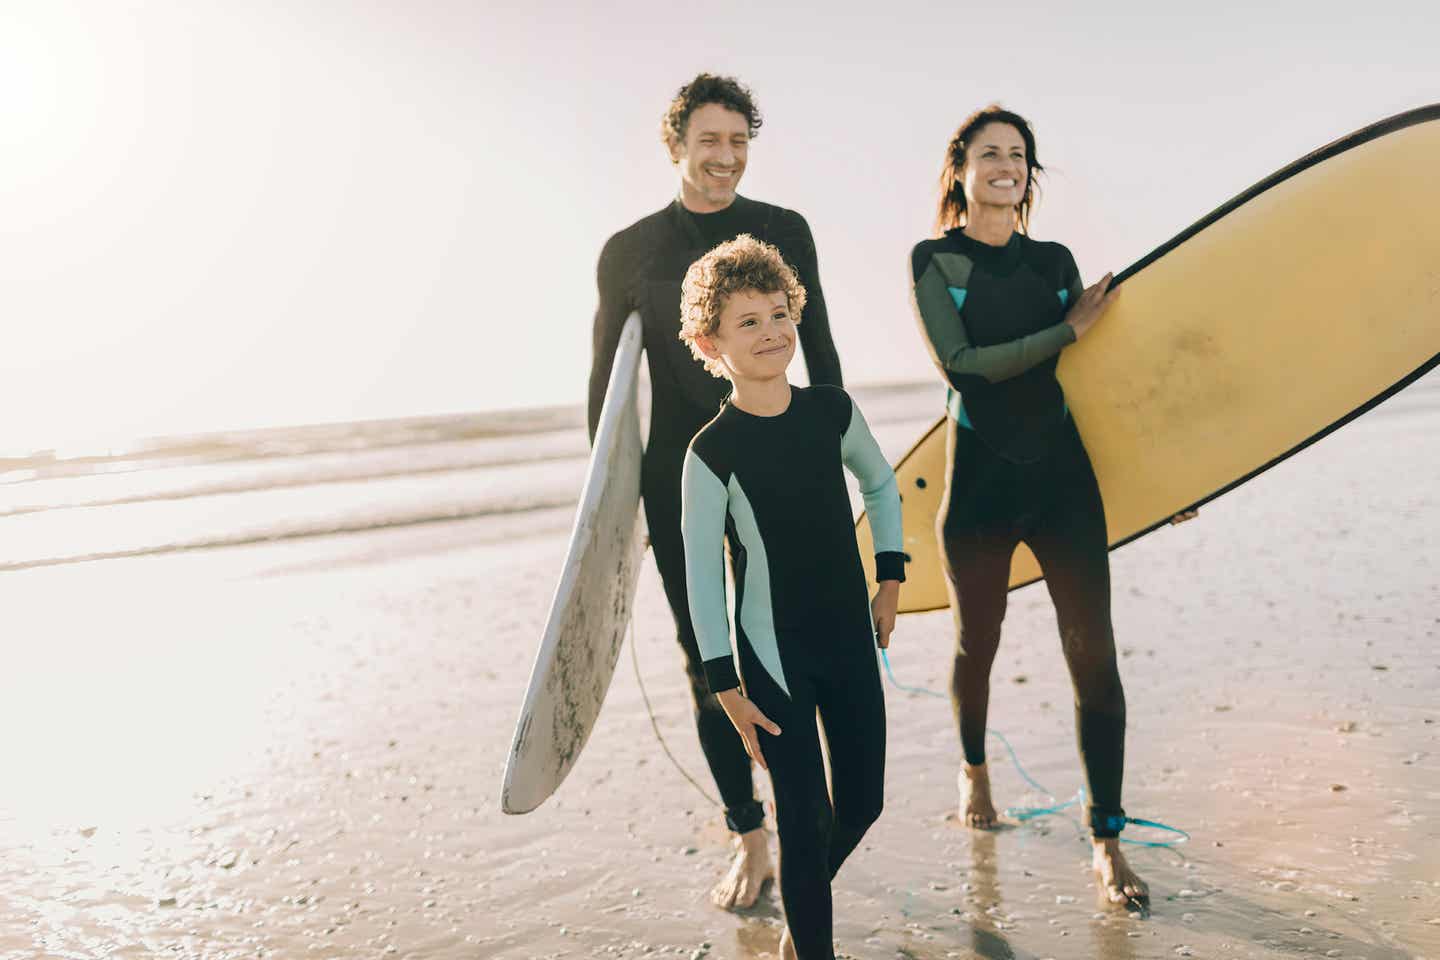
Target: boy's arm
610,317
938,306
862,455
702,525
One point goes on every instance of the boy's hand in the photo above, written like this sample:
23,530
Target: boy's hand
882,611
746,717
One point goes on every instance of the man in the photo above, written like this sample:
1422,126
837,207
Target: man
707,132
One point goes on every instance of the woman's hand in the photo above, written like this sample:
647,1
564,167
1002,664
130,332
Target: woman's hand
882,611
746,717
1091,305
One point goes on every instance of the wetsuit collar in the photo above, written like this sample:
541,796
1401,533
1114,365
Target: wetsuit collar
702,229
992,257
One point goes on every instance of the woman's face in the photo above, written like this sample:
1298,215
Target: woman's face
996,169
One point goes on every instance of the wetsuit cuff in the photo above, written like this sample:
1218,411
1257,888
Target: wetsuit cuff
1105,824
720,674
745,817
890,565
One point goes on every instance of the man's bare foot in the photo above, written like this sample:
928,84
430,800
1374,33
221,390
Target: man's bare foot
787,945
976,808
1113,877
748,872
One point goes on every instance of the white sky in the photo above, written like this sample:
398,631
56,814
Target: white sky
237,214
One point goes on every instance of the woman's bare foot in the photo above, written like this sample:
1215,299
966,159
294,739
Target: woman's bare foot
787,945
1113,877
976,808
748,872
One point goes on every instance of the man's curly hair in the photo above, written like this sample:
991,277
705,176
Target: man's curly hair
708,88
736,265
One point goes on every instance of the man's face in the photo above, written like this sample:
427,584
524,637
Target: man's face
711,158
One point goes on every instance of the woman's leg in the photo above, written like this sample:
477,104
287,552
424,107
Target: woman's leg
975,552
1069,541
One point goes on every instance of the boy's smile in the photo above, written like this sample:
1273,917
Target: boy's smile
756,335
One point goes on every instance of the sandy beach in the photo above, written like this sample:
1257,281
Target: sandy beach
294,748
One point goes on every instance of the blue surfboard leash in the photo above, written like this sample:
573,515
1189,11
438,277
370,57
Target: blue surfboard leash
1023,814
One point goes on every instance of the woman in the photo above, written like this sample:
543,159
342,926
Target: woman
996,308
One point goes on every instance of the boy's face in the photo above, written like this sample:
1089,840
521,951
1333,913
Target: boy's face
711,158
756,336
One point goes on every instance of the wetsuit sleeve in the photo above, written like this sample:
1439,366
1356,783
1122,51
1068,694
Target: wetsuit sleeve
704,500
863,457
822,361
943,328
610,317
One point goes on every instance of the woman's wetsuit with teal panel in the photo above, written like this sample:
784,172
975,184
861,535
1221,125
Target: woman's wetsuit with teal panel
641,268
994,320
774,487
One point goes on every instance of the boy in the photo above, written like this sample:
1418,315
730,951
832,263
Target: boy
766,472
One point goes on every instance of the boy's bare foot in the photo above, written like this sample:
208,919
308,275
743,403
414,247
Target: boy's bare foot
976,808
748,872
1113,877
787,945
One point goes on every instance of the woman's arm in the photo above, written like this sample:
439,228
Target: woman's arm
938,303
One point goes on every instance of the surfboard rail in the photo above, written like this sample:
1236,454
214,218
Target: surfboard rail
592,603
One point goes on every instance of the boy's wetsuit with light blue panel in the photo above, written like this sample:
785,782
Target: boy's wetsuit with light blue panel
641,269
774,487
994,320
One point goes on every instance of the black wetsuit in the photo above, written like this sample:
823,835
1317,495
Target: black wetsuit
993,318
641,268
775,488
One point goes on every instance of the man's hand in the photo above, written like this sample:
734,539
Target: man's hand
746,717
882,611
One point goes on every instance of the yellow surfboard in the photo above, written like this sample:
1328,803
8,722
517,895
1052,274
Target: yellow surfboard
1281,316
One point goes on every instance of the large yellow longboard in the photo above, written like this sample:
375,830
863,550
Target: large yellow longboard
1281,316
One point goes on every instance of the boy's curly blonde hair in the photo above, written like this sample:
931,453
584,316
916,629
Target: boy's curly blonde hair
740,264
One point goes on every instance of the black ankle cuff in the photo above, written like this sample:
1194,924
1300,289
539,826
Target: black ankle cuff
745,817
1106,824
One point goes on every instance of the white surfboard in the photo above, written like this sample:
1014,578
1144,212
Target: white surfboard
591,608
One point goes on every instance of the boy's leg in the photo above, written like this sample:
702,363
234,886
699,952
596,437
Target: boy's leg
852,711
804,819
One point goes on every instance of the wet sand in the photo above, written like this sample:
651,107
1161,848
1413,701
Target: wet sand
294,750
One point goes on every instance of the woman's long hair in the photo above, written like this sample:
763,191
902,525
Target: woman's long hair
952,212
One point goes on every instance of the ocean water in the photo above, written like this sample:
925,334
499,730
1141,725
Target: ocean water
198,491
